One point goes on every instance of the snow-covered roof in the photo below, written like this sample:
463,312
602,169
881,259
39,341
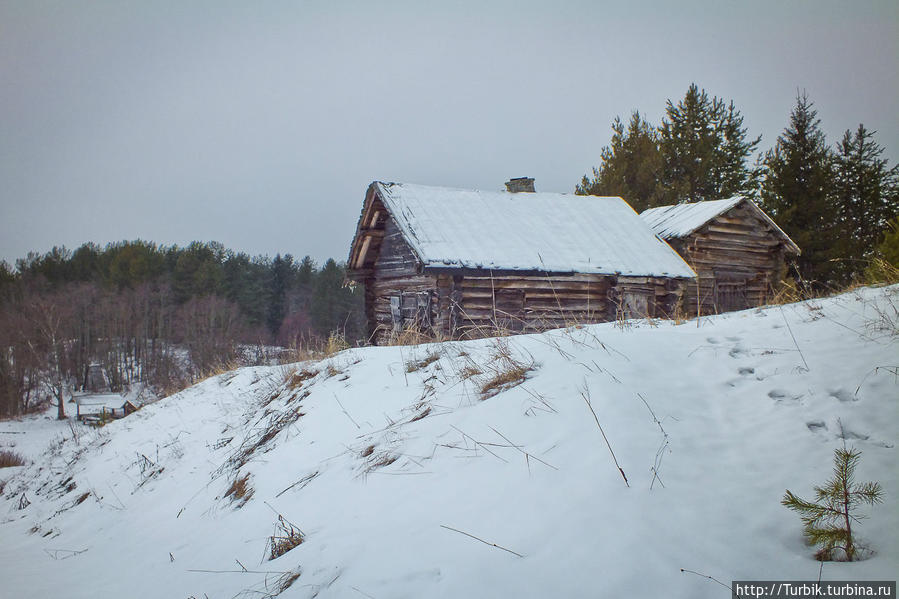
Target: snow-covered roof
550,232
111,401
681,220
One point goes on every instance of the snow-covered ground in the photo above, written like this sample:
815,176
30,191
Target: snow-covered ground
407,482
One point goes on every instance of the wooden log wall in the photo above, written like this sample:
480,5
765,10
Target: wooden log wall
395,257
414,296
525,303
736,249
659,297
400,295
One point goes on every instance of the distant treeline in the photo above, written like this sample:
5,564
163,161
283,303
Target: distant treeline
158,314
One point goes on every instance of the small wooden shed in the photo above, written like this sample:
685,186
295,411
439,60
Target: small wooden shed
738,252
461,263
103,406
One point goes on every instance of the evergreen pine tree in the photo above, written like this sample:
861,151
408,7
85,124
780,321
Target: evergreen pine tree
704,150
828,520
7,275
630,165
281,282
302,294
866,196
797,192
334,305
246,283
198,270
731,173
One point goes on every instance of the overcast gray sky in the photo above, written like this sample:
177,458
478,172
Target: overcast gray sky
260,124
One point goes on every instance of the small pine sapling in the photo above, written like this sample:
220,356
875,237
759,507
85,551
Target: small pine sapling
828,520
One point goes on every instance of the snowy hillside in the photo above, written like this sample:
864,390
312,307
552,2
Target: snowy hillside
477,469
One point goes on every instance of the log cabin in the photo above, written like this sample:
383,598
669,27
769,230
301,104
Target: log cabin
738,252
456,263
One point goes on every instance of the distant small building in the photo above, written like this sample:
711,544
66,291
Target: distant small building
461,263
103,407
738,252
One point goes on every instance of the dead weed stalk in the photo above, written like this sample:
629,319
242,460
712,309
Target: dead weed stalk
585,393
259,437
286,536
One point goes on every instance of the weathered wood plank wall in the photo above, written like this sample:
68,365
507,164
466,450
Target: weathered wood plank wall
461,304
736,256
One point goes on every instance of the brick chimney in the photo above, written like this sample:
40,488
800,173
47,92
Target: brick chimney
520,184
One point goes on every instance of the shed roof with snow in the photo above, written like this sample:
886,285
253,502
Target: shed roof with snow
112,401
681,220
548,232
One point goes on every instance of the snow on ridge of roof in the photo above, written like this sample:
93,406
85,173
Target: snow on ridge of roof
680,220
549,232
101,400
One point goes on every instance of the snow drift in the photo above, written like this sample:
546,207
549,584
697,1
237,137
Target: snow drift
477,469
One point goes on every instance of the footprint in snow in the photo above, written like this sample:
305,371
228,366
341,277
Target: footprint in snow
820,427
816,426
782,395
712,340
842,395
745,372
737,351
852,435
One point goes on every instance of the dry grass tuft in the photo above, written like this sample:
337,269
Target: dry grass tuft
278,421
216,369
336,343
880,272
240,490
367,451
507,370
466,372
680,314
380,460
286,537
297,378
503,380
423,414
8,459
285,580
789,292
414,335
430,358
886,319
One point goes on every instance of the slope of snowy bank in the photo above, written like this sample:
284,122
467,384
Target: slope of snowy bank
408,481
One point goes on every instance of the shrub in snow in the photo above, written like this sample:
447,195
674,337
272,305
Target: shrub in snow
8,459
828,520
